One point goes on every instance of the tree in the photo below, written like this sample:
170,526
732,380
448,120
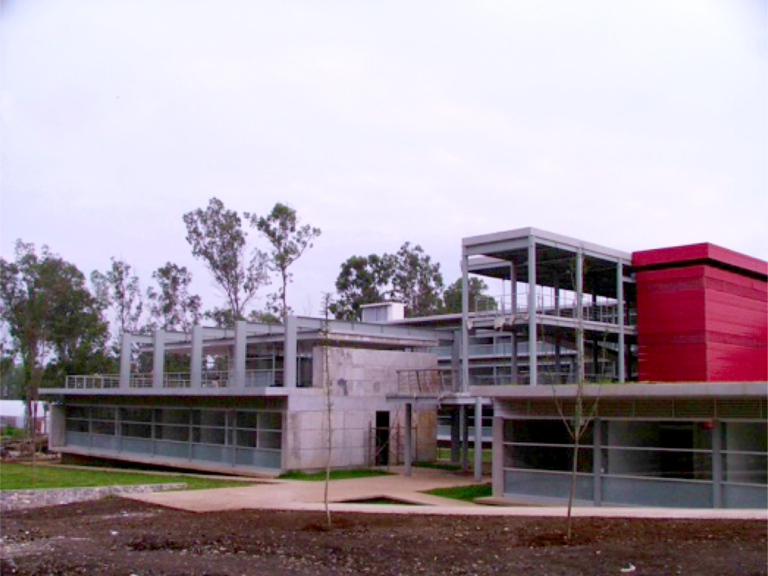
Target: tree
416,281
217,238
362,280
118,288
49,314
172,307
288,240
479,300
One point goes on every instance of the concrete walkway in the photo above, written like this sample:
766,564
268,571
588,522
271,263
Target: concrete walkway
308,496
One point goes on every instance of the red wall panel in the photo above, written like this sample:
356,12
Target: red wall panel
702,314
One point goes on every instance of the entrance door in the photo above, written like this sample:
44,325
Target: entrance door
382,439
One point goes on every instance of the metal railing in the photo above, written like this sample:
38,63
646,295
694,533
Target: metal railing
426,381
95,381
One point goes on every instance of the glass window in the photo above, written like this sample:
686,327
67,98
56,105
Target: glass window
169,416
543,432
270,421
106,428
177,433
77,426
136,414
102,413
546,458
137,430
271,440
246,438
745,436
76,412
247,419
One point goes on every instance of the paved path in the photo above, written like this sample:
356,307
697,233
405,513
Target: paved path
308,496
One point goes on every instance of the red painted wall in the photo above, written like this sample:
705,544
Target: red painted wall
697,321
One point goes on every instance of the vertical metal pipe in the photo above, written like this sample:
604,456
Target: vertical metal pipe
464,323
407,456
237,379
622,360
717,465
533,356
579,316
464,437
196,357
125,360
513,313
478,439
290,352
158,359
597,461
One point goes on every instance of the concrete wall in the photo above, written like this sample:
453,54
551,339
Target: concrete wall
360,381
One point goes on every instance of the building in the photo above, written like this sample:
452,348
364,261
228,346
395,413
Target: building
664,350
251,399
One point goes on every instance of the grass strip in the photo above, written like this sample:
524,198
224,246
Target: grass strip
465,493
22,477
335,474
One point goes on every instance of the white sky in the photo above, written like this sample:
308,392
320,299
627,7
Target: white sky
633,124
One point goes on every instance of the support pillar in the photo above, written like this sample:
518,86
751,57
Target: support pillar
498,456
512,333
533,356
597,461
158,359
579,316
290,352
464,323
622,360
478,439
126,345
464,438
455,436
407,455
237,379
717,465
196,358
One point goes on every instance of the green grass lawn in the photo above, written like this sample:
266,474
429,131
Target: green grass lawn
22,477
335,474
444,453
465,493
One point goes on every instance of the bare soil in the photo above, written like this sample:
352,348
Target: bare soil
120,536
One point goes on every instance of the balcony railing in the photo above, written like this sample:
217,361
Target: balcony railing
427,381
208,379
97,381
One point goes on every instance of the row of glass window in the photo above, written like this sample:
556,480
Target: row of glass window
736,436
252,420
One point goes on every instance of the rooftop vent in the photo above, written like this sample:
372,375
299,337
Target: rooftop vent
382,312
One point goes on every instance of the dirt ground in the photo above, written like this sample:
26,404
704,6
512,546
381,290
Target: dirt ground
119,536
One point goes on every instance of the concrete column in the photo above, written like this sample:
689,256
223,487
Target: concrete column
533,356
717,465
290,352
464,323
512,334
237,378
196,358
464,438
455,436
558,379
158,359
597,461
478,439
125,360
579,316
407,456
622,363
498,456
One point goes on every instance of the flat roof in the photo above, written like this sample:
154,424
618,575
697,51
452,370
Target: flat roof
698,253
656,390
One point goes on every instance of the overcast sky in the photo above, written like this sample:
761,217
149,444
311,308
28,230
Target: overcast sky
632,124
